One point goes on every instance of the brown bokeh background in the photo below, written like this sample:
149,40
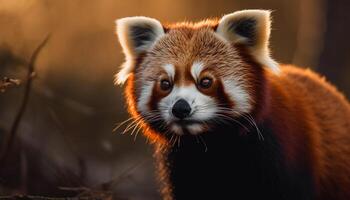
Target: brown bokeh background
65,138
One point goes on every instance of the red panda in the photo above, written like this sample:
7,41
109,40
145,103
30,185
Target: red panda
226,120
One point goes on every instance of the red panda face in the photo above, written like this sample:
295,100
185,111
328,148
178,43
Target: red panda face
189,78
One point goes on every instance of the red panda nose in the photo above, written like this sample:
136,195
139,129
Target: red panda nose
181,109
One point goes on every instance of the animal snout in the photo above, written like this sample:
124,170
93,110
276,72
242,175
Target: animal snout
181,109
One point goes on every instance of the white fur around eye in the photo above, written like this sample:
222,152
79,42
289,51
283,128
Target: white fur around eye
170,70
203,107
238,95
196,69
145,97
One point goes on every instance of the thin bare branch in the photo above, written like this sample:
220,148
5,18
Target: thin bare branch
9,140
6,83
34,197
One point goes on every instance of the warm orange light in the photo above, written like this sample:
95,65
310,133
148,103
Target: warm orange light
130,98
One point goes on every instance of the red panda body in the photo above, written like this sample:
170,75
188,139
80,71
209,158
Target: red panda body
314,122
227,122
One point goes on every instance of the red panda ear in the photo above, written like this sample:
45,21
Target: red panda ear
250,28
136,35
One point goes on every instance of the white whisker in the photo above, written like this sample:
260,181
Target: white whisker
203,142
121,124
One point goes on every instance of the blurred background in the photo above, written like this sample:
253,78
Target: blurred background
64,144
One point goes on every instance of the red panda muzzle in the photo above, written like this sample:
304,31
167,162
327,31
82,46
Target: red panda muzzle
181,109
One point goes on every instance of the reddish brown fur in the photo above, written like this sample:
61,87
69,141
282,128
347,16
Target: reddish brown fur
130,98
309,116
305,104
182,45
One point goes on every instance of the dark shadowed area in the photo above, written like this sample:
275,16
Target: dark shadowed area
64,145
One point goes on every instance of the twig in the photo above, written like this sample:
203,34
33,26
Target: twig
8,82
33,197
8,142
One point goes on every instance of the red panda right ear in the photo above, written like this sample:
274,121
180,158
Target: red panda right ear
252,29
136,35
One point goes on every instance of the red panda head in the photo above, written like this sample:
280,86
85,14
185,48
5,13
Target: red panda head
188,78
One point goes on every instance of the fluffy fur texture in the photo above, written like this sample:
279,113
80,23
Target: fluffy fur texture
136,35
225,119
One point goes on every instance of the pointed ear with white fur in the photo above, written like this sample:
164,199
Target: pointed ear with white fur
136,36
252,29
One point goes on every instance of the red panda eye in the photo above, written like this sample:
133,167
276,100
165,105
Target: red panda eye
205,82
165,85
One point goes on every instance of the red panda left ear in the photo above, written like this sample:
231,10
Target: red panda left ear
252,29
136,36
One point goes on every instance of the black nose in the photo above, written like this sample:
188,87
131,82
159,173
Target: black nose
181,109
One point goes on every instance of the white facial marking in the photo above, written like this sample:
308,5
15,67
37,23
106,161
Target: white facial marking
177,129
146,92
195,129
202,107
196,69
170,70
238,95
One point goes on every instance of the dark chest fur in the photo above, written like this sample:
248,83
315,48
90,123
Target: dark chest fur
232,166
